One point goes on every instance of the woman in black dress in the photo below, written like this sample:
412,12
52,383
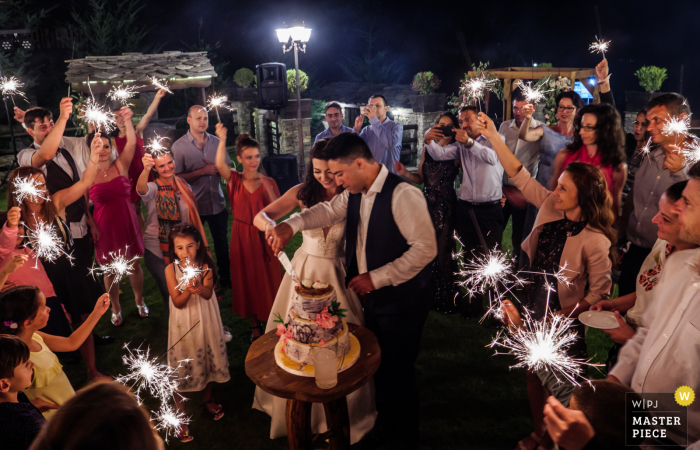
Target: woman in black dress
439,190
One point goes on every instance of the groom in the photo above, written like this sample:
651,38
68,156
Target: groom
390,242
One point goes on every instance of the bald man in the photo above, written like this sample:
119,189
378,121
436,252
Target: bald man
194,155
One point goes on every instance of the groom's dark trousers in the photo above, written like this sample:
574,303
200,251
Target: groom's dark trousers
395,314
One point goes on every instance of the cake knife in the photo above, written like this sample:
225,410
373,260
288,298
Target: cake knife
282,256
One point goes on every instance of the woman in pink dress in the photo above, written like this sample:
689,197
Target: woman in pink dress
599,140
119,230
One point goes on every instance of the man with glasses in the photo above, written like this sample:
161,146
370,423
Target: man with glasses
334,119
528,153
662,167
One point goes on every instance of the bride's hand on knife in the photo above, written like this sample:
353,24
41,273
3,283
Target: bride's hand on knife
362,284
278,237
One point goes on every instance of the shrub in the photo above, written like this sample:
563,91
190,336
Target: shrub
425,83
292,82
244,77
651,77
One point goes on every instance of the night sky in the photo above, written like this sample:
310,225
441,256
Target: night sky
423,35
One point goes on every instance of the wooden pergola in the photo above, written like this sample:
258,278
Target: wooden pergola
510,74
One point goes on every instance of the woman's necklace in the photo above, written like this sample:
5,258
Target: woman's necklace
104,171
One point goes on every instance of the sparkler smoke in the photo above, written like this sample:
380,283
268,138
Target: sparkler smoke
98,116
599,46
123,93
10,87
155,146
161,84
44,241
190,273
476,87
169,420
677,125
217,101
28,187
119,266
533,95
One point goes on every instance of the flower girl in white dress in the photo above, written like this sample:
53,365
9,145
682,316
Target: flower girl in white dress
320,257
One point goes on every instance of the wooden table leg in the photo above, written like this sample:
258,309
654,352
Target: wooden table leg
338,421
299,424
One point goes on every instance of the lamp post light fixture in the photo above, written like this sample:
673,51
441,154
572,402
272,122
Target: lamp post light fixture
296,38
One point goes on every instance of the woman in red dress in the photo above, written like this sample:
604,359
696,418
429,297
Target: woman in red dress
256,273
119,230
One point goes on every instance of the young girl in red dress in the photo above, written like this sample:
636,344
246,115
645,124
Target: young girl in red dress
256,273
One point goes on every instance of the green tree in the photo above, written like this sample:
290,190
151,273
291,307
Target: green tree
374,65
292,82
651,77
244,77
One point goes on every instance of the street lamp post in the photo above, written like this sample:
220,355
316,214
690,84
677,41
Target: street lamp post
296,37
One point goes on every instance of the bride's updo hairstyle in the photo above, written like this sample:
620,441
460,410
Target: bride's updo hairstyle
311,191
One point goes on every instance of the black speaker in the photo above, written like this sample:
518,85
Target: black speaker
283,169
272,85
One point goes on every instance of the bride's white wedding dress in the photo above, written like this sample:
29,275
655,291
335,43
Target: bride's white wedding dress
320,258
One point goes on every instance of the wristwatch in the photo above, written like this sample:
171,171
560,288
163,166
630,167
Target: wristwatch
469,143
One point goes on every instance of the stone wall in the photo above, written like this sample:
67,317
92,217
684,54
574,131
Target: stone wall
242,111
628,124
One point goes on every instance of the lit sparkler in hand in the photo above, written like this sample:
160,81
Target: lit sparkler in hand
44,241
599,46
161,84
691,151
119,266
10,87
476,87
31,188
217,101
190,273
533,95
678,126
122,93
155,146
147,374
98,116
644,151
169,420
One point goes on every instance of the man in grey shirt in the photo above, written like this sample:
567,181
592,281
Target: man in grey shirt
194,155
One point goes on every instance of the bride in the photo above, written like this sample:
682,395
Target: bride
320,257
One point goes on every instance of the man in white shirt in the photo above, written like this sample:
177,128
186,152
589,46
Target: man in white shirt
390,240
528,153
665,352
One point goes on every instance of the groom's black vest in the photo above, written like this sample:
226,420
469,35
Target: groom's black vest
383,245
57,179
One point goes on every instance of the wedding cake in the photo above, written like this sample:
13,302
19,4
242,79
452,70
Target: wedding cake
315,320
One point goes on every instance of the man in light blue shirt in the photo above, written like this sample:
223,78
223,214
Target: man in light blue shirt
334,119
479,207
383,135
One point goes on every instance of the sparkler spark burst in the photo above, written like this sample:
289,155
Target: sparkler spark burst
10,86
217,101
44,241
155,146
119,266
161,84
599,46
644,151
28,187
476,87
677,125
533,95
98,116
485,271
169,420
146,374
691,151
123,93
190,273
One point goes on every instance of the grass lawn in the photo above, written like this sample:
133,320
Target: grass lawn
469,398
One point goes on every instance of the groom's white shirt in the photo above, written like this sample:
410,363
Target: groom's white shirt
410,213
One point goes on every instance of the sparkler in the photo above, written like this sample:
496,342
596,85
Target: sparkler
646,149
476,87
677,125
691,151
29,188
161,84
599,46
217,101
123,93
155,146
533,95
10,87
169,420
190,273
147,375
118,267
44,241
97,116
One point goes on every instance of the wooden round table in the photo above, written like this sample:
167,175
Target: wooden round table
302,392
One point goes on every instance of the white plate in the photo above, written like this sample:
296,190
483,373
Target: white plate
603,320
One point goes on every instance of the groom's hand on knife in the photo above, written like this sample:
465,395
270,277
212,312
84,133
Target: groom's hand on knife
278,237
362,284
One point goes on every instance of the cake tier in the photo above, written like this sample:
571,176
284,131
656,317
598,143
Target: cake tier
308,332
306,307
302,353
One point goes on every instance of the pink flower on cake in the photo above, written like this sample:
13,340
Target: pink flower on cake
321,344
281,329
325,320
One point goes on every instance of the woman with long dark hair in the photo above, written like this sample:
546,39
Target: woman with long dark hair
599,140
320,257
573,229
438,178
